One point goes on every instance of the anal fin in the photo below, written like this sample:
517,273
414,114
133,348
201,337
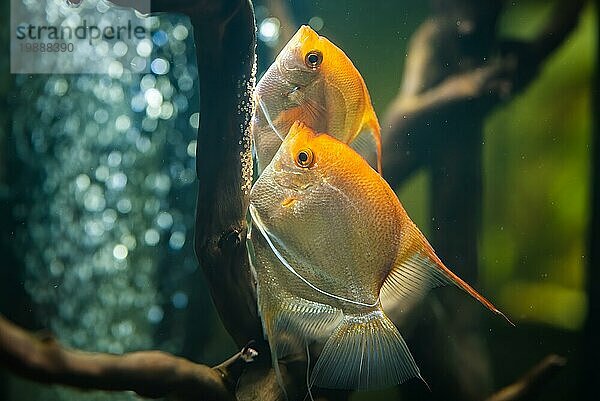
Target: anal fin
293,322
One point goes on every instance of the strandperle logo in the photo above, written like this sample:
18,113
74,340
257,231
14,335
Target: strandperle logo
78,36
84,32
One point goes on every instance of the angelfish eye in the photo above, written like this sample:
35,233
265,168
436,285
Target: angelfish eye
313,59
305,158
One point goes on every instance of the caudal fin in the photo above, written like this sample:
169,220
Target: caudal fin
365,352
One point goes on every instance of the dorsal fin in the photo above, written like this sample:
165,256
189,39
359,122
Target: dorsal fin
368,144
418,269
372,126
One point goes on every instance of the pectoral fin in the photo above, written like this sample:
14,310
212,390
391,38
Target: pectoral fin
418,270
309,110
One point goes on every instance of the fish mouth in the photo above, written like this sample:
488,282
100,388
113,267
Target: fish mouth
289,201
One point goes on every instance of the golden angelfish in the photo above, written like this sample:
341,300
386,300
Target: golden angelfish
330,244
313,81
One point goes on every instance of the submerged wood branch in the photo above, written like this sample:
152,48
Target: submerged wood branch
430,90
226,61
155,374
528,387
457,70
150,374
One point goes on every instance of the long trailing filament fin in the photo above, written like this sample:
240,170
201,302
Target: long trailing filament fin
418,270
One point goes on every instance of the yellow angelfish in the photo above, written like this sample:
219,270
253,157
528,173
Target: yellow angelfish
313,81
330,243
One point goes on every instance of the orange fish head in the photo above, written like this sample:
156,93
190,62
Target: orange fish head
304,163
306,56
298,163
293,172
307,156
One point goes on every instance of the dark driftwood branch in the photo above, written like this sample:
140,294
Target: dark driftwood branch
225,48
425,95
154,374
528,387
225,37
150,374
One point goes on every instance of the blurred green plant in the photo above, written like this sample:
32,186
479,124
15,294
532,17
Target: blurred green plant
537,151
